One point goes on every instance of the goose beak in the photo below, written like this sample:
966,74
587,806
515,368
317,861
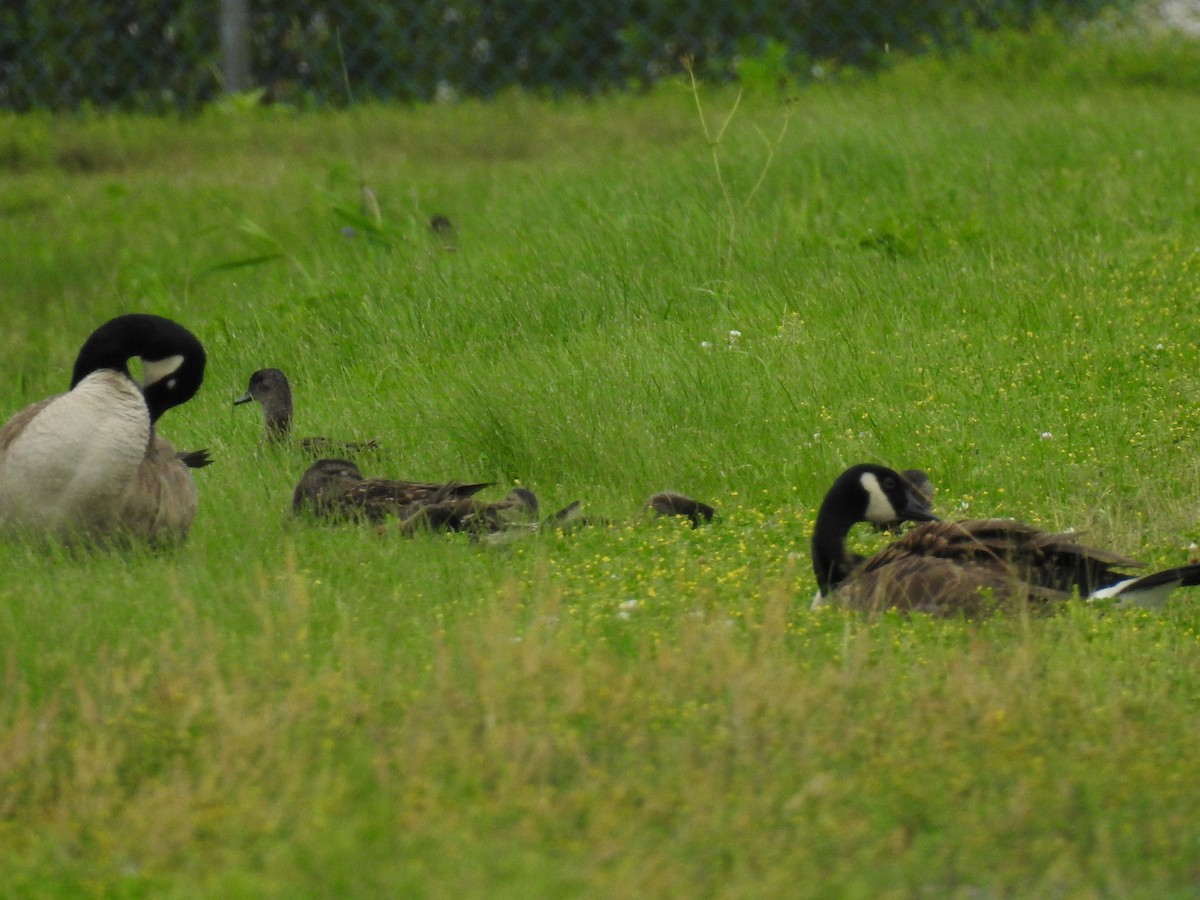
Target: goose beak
245,398
917,510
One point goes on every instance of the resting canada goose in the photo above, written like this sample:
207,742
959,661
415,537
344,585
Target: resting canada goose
89,463
669,503
963,568
336,489
270,388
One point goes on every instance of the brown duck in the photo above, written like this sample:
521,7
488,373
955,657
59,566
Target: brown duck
336,489
270,387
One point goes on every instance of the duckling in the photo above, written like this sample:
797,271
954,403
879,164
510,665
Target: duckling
441,226
669,503
270,388
89,463
969,567
569,517
335,489
474,516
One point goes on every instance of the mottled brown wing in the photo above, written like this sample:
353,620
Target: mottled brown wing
451,515
467,514
972,565
379,498
941,586
1016,541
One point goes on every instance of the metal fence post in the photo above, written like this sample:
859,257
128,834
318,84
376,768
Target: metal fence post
235,45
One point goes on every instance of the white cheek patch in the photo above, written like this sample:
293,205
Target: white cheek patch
880,508
154,371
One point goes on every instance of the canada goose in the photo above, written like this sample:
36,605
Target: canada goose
335,489
963,568
669,503
89,463
270,388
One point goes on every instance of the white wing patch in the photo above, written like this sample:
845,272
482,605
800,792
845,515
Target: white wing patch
880,508
155,370
1127,593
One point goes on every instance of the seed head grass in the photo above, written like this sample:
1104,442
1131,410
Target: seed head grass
990,278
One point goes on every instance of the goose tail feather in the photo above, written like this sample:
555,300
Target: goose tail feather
1150,591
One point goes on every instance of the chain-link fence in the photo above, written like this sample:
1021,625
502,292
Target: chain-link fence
178,54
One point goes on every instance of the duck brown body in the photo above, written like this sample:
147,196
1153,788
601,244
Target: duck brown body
336,489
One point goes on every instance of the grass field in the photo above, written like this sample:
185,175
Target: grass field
987,267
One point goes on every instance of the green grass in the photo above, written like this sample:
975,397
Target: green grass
983,266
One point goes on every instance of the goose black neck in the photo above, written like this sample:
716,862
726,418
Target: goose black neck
112,345
834,521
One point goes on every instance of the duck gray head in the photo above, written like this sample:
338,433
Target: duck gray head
862,493
173,359
270,387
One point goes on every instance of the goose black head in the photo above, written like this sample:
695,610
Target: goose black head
173,359
862,493
878,494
